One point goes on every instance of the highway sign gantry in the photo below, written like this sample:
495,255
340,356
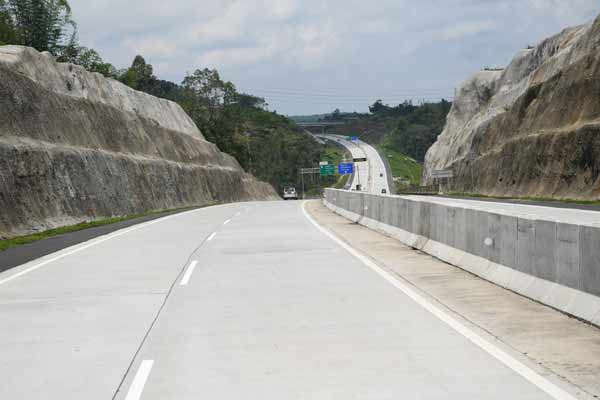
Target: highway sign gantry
328,169
345,169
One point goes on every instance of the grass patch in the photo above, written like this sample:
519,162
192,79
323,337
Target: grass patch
402,165
334,154
526,198
6,244
341,182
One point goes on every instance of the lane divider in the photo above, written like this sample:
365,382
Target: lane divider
188,273
517,366
137,386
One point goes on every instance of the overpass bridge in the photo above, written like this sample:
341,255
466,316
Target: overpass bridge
319,126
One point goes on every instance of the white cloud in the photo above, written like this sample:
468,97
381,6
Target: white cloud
364,47
465,29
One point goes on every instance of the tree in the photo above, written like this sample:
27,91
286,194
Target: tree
140,76
7,29
88,59
42,24
378,107
249,101
211,103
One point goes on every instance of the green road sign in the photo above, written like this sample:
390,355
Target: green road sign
328,169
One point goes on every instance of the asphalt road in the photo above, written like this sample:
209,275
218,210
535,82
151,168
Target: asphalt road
240,301
372,175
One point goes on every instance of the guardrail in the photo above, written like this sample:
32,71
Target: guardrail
555,263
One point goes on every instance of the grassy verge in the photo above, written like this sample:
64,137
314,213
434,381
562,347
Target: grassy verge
34,237
334,154
402,165
341,182
526,198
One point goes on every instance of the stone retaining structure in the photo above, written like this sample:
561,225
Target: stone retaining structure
555,263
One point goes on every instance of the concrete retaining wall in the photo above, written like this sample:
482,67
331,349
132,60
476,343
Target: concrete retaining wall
555,263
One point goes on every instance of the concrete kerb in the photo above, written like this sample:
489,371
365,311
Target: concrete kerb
513,241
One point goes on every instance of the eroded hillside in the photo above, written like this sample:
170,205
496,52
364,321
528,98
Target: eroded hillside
75,145
532,129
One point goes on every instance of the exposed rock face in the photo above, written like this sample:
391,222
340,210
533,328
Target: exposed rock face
532,129
75,145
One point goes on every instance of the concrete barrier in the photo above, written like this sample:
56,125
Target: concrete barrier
552,262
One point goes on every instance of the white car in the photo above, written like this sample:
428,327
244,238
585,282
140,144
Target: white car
290,194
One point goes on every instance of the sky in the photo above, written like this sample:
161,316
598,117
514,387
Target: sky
312,56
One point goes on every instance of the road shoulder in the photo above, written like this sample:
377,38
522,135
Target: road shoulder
19,255
563,346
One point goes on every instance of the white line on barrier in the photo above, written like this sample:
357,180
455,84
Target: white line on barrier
542,383
211,237
226,222
188,273
137,386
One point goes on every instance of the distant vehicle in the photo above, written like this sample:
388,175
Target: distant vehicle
383,191
381,174
290,194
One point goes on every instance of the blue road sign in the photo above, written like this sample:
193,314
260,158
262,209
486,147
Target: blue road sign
354,138
345,169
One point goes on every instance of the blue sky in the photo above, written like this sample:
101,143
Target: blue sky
310,56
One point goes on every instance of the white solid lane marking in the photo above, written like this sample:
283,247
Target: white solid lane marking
188,273
94,242
544,384
137,386
226,222
211,237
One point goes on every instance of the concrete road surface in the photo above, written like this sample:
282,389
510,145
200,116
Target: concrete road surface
241,301
372,174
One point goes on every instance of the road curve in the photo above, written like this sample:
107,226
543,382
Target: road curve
372,175
248,300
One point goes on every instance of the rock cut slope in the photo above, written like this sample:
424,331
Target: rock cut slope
75,145
532,129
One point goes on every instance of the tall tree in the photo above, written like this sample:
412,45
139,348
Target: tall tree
209,101
7,28
45,25
140,76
